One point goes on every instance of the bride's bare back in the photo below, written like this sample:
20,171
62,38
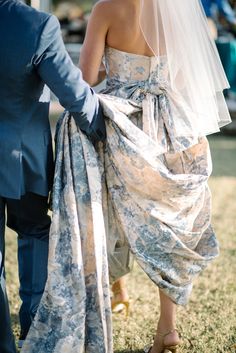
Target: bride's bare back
124,32
114,23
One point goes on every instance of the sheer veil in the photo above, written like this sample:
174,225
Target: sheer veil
178,30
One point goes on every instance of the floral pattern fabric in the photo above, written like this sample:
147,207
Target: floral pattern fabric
74,314
156,171
145,189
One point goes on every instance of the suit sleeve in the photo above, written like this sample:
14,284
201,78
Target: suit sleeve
57,70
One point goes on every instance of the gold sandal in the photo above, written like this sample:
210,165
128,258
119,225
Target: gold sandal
120,300
117,306
166,349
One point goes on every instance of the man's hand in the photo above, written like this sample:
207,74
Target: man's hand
96,129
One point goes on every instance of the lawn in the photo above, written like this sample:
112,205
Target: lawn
208,324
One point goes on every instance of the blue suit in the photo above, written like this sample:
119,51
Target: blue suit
32,54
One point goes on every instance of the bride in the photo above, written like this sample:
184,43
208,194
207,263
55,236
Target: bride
145,189
131,43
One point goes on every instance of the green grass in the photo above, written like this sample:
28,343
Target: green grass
208,324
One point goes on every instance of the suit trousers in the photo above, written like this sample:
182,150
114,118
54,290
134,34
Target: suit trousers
28,217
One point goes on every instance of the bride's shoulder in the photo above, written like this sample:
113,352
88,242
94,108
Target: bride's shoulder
109,12
104,4
107,7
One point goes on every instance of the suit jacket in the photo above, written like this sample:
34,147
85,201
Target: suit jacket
32,54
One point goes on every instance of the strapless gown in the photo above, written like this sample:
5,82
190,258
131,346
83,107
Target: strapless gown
144,190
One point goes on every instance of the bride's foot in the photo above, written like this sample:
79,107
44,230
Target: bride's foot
120,302
166,342
120,298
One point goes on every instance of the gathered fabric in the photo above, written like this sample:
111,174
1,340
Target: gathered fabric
145,188
74,314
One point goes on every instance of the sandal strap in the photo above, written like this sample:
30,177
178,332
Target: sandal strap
167,333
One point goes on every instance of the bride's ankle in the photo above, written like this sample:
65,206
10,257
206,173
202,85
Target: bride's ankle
120,291
164,327
121,295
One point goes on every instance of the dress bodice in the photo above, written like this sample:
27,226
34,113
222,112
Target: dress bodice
148,73
145,81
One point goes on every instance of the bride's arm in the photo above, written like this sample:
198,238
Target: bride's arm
92,51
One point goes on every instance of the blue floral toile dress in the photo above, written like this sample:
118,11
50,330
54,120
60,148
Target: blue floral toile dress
145,188
156,173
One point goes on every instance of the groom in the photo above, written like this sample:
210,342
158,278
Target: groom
32,54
